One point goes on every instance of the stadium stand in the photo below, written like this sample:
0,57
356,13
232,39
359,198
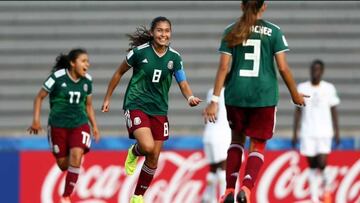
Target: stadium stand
32,34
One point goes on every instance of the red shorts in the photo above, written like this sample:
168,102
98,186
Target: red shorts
253,122
159,125
63,139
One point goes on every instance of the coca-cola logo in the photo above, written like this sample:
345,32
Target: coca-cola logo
284,181
98,184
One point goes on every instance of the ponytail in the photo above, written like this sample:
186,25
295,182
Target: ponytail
143,35
242,29
139,37
63,60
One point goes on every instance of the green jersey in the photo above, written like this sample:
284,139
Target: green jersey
67,99
252,80
151,80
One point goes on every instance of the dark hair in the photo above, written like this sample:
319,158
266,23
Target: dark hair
142,35
318,62
63,60
242,28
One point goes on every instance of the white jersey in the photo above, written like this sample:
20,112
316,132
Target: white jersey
220,129
217,136
316,118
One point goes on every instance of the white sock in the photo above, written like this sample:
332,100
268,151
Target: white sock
314,185
210,191
221,175
326,179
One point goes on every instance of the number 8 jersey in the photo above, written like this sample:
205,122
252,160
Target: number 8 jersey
67,99
151,80
252,80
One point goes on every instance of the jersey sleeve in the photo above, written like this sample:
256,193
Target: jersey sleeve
90,88
131,58
334,98
49,83
224,48
280,43
179,72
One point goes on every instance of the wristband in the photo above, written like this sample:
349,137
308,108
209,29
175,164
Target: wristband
215,98
190,98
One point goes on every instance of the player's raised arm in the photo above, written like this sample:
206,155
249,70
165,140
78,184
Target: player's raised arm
35,127
123,68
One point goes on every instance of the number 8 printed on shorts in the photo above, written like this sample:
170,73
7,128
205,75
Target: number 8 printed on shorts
166,129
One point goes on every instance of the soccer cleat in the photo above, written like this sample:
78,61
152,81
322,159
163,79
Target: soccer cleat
65,200
130,162
228,197
244,195
327,197
137,199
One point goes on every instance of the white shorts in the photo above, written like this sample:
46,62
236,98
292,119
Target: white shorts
215,153
312,146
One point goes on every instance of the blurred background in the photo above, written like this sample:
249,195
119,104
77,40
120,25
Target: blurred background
32,34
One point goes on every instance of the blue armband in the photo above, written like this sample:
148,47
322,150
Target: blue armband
180,75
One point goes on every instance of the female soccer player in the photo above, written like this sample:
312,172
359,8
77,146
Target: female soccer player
154,63
251,91
70,88
217,138
318,124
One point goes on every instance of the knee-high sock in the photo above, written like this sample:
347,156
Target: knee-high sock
70,180
314,185
253,166
210,191
233,164
145,178
221,176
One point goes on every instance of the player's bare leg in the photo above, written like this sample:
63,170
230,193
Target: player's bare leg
63,163
73,172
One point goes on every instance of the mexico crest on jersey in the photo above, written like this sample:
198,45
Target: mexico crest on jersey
85,87
170,65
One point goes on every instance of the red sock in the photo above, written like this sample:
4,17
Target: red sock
70,181
253,166
233,164
136,150
145,178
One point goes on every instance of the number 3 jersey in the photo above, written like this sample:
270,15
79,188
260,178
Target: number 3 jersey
252,80
67,99
151,80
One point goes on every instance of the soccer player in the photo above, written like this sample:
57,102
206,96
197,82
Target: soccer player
70,87
319,124
217,138
154,63
251,91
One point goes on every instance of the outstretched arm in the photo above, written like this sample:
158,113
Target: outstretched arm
91,115
123,68
35,127
187,93
286,75
211,110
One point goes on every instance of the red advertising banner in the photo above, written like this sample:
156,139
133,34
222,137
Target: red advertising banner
180,178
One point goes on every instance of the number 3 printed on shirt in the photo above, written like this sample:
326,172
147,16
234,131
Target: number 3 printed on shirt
255,56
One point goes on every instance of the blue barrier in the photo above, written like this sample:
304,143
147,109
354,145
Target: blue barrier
9,174
122,143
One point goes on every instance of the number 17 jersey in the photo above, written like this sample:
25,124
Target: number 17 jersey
252,80
67,99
